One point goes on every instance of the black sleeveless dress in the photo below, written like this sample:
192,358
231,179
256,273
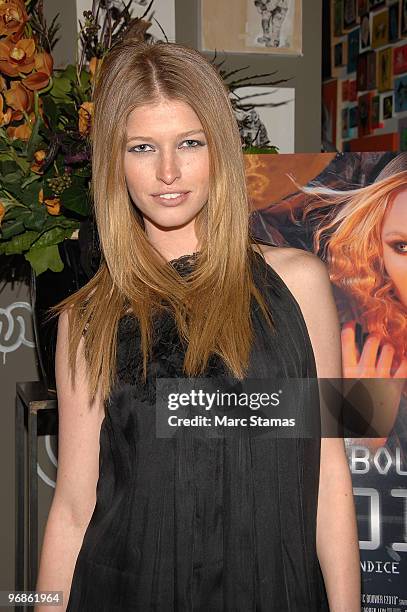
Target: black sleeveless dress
221,524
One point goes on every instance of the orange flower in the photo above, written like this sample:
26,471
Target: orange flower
23,131
13,18
2,211
53,206
17,57
19,98
85,117
5,118
3,84
94,66
43,66
39,157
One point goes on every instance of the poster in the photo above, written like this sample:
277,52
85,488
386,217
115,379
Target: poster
252,26
357,224
271,121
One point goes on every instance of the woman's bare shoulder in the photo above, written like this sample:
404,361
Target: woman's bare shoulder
287,261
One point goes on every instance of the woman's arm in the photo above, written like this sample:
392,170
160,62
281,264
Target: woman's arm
77,474
337,540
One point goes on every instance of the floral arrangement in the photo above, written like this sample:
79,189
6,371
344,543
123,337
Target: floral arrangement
45,120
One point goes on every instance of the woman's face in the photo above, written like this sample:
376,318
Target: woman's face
166,165
394,239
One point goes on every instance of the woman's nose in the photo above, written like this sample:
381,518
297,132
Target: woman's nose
168,168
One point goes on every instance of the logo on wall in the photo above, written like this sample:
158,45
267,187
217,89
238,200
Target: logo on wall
13,328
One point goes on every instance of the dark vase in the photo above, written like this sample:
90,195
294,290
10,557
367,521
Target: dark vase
47,289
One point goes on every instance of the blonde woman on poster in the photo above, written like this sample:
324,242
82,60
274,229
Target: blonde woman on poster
362,235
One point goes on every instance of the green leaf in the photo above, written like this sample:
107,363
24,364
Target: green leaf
44,259
74,198
34,220
53,236
61,86
19,243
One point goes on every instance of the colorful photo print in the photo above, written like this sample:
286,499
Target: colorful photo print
338,18
403,17
353,91
345,91
400,59
365,32
371,71
353,117
362,72
385,69
394,22
400,94
345,122
349,14
403,133
338,55
380,29
363,7
388,102
375,120
353,50
364,115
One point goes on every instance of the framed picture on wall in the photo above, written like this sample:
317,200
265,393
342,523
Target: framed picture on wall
373,4
375,121
345,91
362,72
251,26
394,22
400,59
349,14
403,133
272,118
388,103
385,69
338,18
353,50
371,70
330,109
363,7
364,114
353,117
345,122
400,94
353,91
339,59
403,24
380,29
365,32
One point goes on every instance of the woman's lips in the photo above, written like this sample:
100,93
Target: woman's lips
173,201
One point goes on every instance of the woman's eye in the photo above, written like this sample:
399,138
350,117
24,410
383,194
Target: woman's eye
195,143
138,148
400,247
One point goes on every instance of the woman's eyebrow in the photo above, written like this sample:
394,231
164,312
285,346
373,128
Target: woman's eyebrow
395,233
182,135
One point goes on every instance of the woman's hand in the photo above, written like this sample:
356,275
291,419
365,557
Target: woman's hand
367,364
385,395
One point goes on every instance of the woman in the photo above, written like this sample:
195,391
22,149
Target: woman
362,234
188,523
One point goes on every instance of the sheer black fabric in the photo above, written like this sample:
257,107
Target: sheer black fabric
203,524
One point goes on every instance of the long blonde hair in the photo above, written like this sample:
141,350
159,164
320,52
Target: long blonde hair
349,235
212,306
